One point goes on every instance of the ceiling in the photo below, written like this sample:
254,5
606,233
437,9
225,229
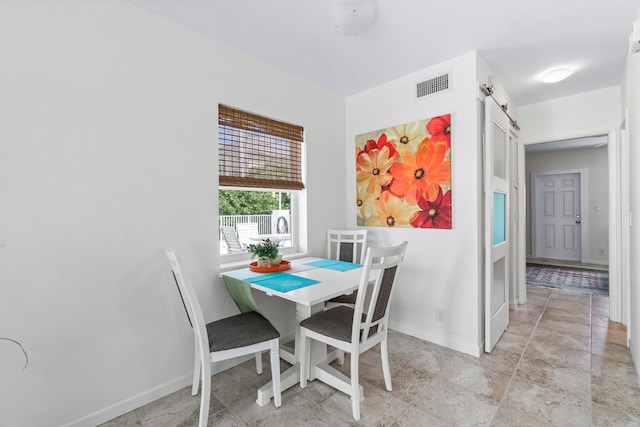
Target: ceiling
518,40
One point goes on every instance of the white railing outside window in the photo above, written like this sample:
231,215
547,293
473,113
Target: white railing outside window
266,225
263,221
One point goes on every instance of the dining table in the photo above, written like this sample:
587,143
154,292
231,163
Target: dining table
308,282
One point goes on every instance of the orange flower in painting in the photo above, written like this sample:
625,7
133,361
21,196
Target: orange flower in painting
420,176
372,166
435,214
440,129
389,211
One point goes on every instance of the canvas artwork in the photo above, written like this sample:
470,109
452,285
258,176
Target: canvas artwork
403,175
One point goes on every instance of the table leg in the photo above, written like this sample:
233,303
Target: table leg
318,349
288,378
291,376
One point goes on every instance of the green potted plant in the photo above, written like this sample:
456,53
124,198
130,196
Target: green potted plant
267,252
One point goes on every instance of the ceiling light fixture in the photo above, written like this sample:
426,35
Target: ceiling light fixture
353,17
555,75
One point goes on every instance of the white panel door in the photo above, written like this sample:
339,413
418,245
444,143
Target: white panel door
497,223
557,216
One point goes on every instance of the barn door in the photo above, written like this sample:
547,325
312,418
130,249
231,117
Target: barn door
497,222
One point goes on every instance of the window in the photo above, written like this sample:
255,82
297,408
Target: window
260,166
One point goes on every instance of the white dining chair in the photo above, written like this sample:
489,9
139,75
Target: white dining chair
228,338
355,329
349,246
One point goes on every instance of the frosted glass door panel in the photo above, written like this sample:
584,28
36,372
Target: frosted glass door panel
499,152
498,297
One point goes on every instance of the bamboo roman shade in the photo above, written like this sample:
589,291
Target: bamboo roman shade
258,152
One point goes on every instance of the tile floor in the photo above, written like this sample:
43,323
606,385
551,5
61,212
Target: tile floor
560,363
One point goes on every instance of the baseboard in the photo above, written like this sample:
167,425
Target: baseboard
594,264
445,341
598,262
291,336
134,402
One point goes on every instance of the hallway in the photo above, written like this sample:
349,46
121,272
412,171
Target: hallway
560,363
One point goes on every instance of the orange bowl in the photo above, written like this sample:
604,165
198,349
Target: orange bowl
284,265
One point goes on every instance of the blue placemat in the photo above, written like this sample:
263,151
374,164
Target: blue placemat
243,274
333,264
281,282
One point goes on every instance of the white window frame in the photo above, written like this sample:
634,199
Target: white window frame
241,259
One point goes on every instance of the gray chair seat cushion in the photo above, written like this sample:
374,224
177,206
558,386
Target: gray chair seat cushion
240,331
335,323
345,299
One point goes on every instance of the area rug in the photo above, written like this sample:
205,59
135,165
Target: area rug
593,281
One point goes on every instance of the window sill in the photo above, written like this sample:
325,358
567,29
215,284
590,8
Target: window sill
236,265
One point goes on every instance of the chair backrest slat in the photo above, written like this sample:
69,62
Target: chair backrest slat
184,303
384,294
347,245
191,303
380,270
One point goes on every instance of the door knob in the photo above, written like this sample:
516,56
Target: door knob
578,221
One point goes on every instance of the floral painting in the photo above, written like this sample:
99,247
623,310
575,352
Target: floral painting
403,175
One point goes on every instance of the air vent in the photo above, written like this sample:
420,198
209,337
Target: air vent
432,86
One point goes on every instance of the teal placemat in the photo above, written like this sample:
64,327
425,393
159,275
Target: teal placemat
281,282
332,264
243,274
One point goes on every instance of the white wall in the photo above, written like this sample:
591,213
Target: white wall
441,270
596,217
587,114
108,130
